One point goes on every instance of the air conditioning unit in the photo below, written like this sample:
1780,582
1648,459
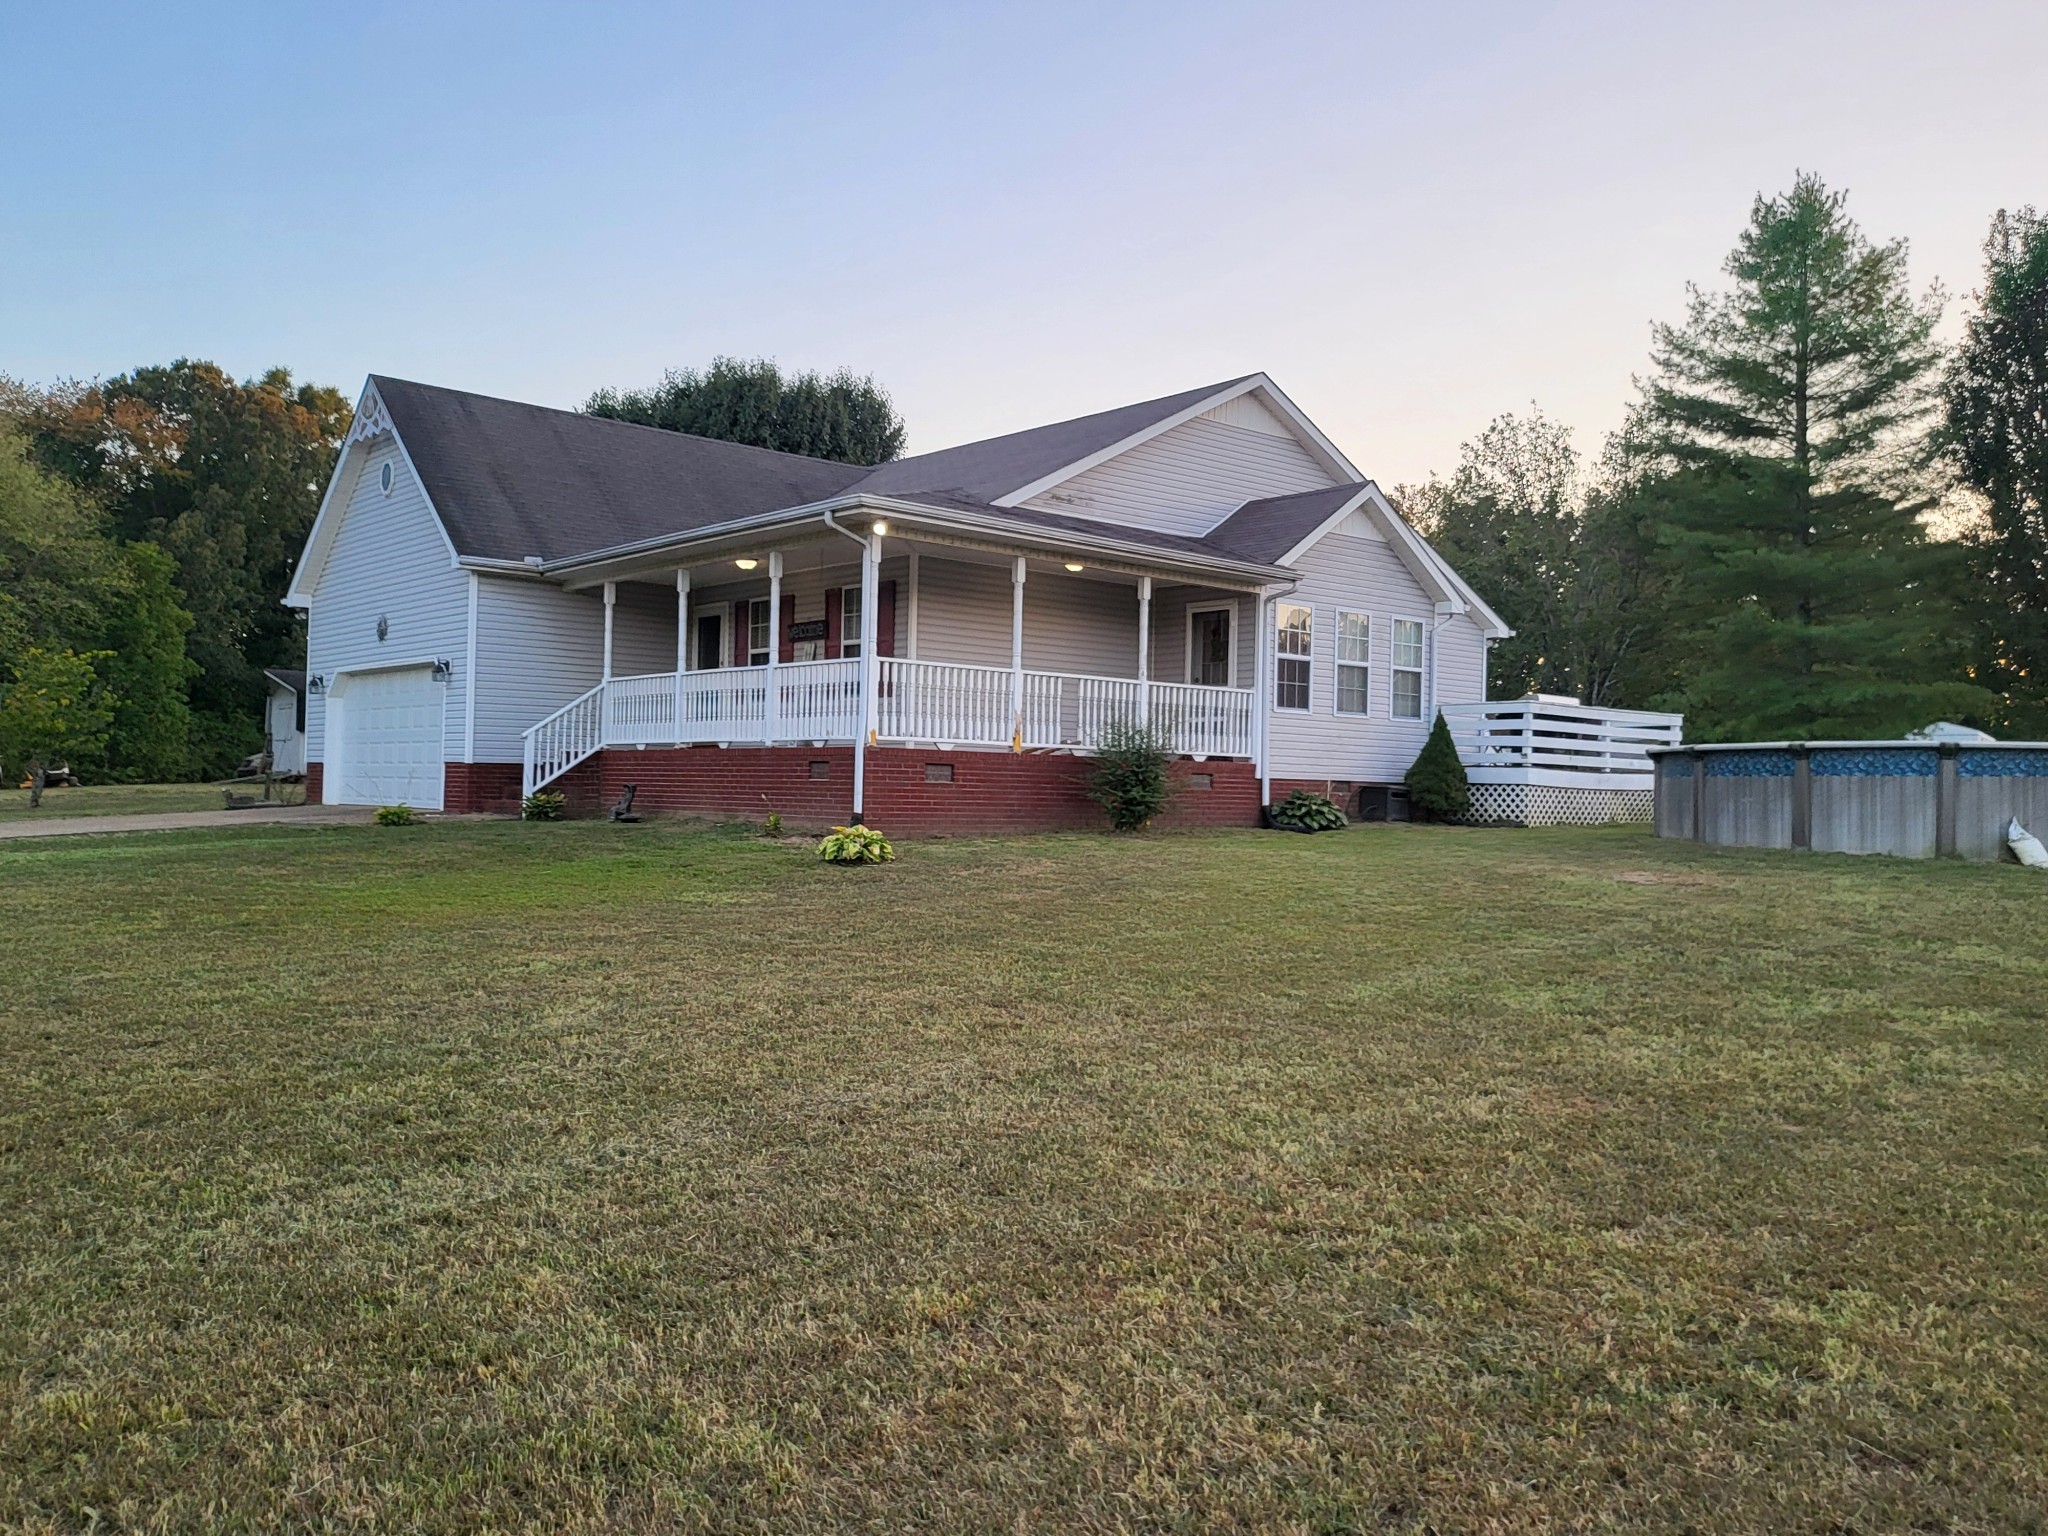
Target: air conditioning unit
1382,802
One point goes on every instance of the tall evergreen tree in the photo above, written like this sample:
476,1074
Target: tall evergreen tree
838,416
1791,411
1997,432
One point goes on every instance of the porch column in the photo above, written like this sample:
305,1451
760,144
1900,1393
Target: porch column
771,727
611,597
682,643
870,592
1145,649
1017,654
1262,700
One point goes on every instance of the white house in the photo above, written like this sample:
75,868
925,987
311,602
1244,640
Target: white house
502,597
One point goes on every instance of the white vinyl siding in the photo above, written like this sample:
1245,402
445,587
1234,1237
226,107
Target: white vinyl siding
388,560
1340,571
1170,605
1354,663
537,647
1187,479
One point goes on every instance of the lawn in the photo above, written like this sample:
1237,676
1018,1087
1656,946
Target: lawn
482,1176
116,800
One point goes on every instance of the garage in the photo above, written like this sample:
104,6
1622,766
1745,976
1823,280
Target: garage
386,749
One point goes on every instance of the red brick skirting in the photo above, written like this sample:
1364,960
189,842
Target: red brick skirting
1342,792
313,783
480,787
908,791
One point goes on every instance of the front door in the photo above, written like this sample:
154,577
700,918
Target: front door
1209,658
710,640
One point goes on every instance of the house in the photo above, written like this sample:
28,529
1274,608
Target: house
284,720
502,597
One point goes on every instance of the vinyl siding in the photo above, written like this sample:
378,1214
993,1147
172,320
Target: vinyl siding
1365,575
1188,479
538,647
1071,623
1170,607
388,560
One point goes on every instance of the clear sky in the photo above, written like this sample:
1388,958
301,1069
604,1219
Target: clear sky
1413,216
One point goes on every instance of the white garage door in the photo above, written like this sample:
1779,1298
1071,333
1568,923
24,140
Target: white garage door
389,738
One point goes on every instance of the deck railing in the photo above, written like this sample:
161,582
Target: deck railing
945,703
1540,741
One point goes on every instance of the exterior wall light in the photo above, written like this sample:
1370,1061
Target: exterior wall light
443,670
1075,565
317,683
746,564
881,527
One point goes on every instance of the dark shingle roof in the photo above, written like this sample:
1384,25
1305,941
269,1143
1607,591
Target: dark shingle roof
512,480
996,466
291,677
1264,530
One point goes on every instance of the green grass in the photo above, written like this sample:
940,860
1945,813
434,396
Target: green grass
486,1176
112,800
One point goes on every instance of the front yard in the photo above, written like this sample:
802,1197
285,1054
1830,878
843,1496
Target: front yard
111,800
486,1176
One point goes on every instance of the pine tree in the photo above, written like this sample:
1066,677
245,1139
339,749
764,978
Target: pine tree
1997,433
1790,412
837,416
1437,784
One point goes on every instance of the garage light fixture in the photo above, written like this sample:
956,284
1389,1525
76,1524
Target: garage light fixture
443,670
317,683
746,563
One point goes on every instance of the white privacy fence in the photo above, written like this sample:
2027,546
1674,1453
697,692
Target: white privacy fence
944,703
1565,745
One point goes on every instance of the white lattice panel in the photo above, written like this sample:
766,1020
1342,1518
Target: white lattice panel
1541,805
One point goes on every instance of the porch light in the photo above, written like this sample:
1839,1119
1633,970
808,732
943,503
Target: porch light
746,563
1075,565
881,528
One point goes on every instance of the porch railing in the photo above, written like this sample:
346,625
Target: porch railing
1538,741
945,703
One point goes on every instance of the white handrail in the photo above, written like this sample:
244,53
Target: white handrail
559,742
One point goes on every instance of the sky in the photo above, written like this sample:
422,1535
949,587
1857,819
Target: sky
1414,217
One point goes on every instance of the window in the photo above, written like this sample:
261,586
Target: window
1354,663
849,622
1407,669
386,478
760,632
1293,625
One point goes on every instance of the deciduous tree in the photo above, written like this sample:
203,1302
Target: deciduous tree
838,416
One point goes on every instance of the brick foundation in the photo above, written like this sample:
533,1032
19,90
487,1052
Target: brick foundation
908,791
314,780
471,787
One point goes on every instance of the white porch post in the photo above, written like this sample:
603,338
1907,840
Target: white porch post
1017,654
1262,701
682,643
611,597
1145,648
773,714
870,592
910,649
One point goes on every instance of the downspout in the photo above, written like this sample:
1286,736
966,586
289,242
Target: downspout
867,702
1448,613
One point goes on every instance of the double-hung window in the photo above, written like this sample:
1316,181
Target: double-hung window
849,622
760,631
1407,669
1354,663
1293,632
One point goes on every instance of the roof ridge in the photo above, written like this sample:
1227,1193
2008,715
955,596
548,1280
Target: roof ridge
614,421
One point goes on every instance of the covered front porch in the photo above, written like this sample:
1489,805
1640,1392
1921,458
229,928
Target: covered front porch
879,632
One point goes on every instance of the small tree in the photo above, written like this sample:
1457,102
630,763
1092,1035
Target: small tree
55,709
1130,774
1437,785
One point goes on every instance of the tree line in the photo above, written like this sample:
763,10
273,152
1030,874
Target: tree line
1814,522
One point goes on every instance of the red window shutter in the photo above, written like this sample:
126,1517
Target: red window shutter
885,618
832,617
785,645
742,628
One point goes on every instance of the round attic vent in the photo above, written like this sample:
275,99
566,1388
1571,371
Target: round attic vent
386,479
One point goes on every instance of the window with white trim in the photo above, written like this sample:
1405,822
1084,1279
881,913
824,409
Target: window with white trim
760,631
1407,669
1354,663
849,622
1293,638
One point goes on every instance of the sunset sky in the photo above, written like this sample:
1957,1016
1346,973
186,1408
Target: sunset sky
1413,217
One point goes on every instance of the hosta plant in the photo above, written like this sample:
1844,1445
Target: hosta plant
544,805
855,845
1306,812
395,816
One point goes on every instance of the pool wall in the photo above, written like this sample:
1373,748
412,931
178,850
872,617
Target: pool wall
1915,799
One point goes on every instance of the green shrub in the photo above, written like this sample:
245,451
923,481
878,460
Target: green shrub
1130,780
773,825
1437,786
1306,812
544,805
395,816
855,845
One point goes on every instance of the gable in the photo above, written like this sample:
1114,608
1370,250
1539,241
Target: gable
1190,477
1250,412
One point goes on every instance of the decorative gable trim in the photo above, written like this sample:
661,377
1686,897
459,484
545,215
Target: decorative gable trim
372,420
1320,447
